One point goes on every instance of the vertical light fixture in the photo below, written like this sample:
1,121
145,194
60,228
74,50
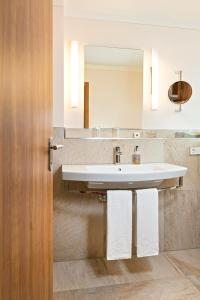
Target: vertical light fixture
74,74
155,80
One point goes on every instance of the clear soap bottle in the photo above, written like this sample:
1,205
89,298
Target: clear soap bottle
136,156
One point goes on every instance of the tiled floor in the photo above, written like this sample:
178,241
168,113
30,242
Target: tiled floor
169,276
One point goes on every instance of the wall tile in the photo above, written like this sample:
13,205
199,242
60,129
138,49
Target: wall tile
80,219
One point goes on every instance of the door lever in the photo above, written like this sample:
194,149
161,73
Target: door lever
56,147
52,147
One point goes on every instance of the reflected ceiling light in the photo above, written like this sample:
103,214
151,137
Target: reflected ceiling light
74,74
155,80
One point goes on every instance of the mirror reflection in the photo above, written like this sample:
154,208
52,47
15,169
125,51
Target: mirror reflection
180,92
113,89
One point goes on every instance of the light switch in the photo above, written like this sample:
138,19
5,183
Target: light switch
194,150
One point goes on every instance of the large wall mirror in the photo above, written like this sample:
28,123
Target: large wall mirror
120,92
113,89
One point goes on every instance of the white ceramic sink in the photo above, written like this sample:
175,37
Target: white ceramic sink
122,173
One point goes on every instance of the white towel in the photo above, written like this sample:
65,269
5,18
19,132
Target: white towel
119,225
147,227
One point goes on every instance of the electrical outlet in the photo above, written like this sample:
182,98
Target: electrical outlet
194,150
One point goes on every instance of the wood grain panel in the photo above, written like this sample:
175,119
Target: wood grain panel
86,105
25,125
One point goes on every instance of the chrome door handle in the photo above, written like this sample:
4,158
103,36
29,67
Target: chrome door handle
52,147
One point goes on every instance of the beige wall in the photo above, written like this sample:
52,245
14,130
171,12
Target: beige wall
80,220
178,49
115,97
58,65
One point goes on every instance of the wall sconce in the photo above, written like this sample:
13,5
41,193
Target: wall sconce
73,84
74,74
155,80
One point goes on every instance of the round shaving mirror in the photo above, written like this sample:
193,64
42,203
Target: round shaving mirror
180,92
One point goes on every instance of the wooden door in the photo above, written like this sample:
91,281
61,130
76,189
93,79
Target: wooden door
25,126
86,105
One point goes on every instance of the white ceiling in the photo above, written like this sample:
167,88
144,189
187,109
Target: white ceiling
177,13
114,57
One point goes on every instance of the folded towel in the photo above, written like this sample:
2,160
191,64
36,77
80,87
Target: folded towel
147,228
119,225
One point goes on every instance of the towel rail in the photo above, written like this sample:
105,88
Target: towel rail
102,194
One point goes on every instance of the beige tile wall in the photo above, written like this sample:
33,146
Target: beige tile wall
79,220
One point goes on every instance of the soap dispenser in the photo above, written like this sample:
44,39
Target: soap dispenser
136,156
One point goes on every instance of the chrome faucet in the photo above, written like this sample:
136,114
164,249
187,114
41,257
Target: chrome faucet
117,155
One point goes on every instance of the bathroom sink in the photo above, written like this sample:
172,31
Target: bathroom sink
122,173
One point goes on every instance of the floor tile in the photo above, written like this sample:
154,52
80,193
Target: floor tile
163,289
99,272
188,263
